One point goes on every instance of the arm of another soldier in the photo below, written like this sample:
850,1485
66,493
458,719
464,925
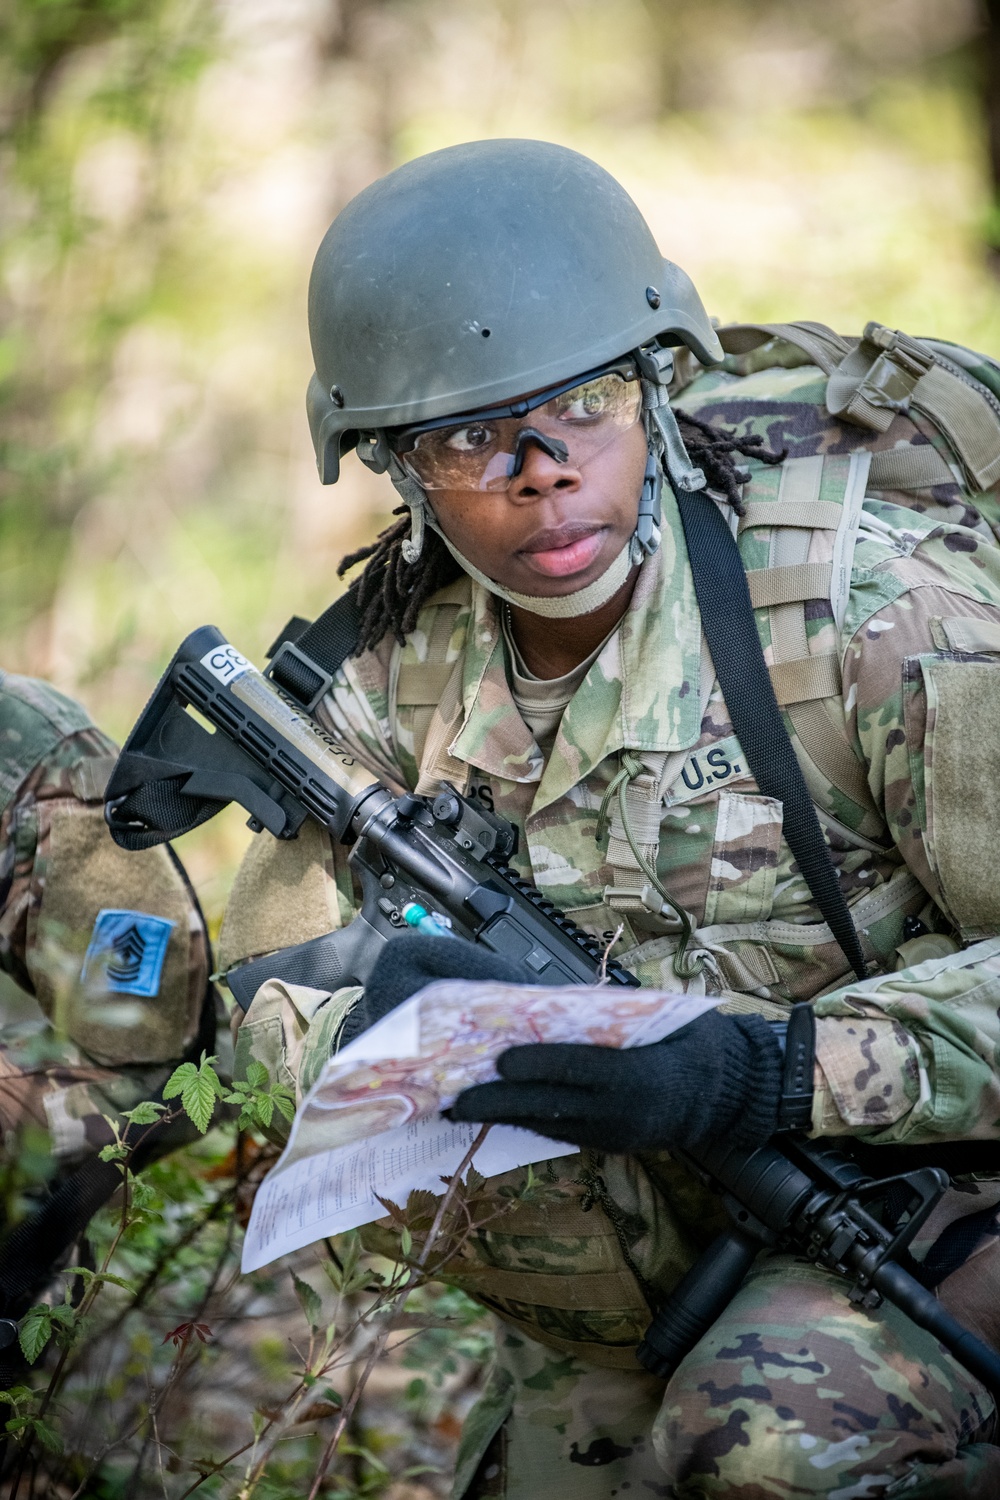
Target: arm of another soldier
111,945
914,1056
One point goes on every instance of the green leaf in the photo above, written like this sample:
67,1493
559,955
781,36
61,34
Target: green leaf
309,1301
199,1087
35,1332
263,1107
87,1276
285,1100
406,1241
179,1080
145,1113
46,1435
113,1153
257,1075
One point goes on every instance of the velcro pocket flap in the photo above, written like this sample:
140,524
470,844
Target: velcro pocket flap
962,788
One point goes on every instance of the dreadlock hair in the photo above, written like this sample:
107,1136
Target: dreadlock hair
391,592
713,451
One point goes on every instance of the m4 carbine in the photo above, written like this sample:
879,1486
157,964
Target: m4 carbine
437,864
803,1197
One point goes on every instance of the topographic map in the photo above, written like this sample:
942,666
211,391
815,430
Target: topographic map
371,1126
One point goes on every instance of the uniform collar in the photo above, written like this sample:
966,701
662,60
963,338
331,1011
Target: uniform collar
643,691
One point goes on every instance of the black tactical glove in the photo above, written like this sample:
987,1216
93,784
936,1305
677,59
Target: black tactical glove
718,1077
410,961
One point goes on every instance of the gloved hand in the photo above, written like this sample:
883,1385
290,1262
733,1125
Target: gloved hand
718,1077
410,961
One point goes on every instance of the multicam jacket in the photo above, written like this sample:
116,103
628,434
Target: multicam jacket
74,910
879,614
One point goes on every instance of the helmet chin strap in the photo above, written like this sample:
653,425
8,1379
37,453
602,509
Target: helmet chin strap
560,607
666,451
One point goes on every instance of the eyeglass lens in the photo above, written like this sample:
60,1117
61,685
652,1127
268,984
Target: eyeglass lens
480,454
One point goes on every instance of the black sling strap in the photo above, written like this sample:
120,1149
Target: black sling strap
720,583
305,658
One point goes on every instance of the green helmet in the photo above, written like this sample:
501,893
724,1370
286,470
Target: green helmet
472,275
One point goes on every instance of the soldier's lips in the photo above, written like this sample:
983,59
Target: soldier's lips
563,551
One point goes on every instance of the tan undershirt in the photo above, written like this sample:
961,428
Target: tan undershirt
542,701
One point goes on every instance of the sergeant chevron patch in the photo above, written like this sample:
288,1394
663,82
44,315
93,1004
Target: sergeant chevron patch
126,952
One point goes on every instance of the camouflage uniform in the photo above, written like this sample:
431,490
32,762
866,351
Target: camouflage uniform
893,700
68,917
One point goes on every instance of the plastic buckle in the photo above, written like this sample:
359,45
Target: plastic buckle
290,678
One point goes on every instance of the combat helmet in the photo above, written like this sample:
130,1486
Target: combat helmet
475,274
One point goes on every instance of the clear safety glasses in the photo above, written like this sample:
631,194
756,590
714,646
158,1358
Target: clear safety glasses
487,449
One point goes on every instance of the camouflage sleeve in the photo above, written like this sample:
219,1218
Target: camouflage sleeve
111,945
915,1056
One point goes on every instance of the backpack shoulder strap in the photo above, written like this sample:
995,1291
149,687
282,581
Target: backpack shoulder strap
759,346
824,494
730,627
872,379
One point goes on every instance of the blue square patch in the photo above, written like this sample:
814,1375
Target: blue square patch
126,952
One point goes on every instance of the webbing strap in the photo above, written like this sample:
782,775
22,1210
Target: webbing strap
967,420
806,677
727,616
826,746
788,584
823,347
814,515
917,466
421,683
302,665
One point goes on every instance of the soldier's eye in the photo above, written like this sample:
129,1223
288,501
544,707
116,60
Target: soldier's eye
586,404
471,439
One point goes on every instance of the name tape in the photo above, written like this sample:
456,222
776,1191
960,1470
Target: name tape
707,769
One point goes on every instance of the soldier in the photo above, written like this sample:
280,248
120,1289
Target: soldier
494,326
112,947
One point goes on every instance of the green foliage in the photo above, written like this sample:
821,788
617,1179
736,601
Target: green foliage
309,1300
199,1087
258,1098
41,1323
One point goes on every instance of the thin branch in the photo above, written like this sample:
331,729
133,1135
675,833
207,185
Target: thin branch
379,1345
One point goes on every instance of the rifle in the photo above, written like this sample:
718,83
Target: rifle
436,865
805,1197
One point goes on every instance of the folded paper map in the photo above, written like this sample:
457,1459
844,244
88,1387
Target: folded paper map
371,1126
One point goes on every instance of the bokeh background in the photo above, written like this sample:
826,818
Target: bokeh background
167,168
